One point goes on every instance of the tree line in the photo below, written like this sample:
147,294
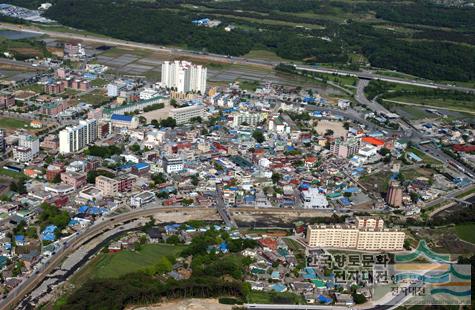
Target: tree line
140,288
169,23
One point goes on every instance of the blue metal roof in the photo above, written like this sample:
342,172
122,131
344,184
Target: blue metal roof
140,166
121,117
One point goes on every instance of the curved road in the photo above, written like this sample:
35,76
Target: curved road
21,291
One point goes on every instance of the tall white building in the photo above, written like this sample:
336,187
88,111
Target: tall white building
28,147
31,142
184,76
73,139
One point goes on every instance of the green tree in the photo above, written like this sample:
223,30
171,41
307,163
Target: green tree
359,298
168,122
174,239
135,148
258,136
56,179
276,177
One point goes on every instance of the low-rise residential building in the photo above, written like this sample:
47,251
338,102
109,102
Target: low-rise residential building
313,199
74,179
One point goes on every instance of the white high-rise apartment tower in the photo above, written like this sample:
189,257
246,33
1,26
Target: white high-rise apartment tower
184,76
73,139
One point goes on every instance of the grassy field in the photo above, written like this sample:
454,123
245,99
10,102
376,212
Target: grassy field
248,85
263,54
466,232
13,123
96,98
446,104
114,265
378,181
256,297
408,111
265,21
470,191
37,88
98,82
297,249
12,174
411,173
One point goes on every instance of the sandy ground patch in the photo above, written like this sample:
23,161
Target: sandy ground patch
158,114
188,304
337,127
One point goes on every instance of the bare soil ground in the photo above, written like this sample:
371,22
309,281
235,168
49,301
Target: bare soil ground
187,304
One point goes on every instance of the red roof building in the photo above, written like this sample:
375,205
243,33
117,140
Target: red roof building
373,141
268,243
463,148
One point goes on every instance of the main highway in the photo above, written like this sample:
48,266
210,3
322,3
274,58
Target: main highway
177,52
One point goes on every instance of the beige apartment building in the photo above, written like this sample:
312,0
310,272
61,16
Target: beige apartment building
368,234
120,184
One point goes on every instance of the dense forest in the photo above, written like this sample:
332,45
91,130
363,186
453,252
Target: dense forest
328,32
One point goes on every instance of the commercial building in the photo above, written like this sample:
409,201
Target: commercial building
345,148
142,199
172,164
184,76
73,139
113,186
313,199
394,195
184,115
367,235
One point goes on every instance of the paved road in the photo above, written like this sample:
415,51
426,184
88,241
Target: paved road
224,58
361,98
374,76
294,307
221,207
21,291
